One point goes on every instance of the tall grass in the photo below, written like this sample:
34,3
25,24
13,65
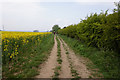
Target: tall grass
106,61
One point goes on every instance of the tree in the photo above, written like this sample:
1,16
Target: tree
55,28
64,27
35,31
117,4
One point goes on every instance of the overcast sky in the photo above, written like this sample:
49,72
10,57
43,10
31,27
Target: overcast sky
28,15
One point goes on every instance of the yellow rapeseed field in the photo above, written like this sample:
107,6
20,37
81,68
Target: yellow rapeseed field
12,41
7,34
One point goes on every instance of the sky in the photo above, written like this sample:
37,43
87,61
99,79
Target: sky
42,15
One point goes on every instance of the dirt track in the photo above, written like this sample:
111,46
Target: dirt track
78,63
47,69
65,69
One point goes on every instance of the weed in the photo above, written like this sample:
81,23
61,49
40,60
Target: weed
106,61
59,61
67,52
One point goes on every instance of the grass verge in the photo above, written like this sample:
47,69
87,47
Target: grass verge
27,63
107,62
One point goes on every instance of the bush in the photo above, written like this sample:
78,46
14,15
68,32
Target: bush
99,30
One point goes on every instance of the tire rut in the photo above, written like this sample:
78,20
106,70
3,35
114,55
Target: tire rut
47,69
65,69
77,63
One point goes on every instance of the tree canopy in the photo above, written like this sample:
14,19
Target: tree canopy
36,31
55,28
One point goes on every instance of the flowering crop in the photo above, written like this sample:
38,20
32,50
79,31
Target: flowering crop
14,42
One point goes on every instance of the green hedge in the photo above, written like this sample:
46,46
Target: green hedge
98,30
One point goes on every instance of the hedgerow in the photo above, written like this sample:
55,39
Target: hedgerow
99,30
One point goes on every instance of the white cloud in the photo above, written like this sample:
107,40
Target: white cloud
97,0
60,0
38,0
27,15
16,15
0,16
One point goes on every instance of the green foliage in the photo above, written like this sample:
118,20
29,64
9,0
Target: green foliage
67,52
59,60
55,28
25,64
106,61
99,30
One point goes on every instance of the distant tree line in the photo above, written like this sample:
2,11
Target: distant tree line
36,31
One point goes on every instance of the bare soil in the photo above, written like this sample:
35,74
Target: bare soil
78,63
47,69
65,69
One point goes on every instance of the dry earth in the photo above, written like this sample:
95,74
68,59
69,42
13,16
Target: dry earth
47,69
65,69
78,63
